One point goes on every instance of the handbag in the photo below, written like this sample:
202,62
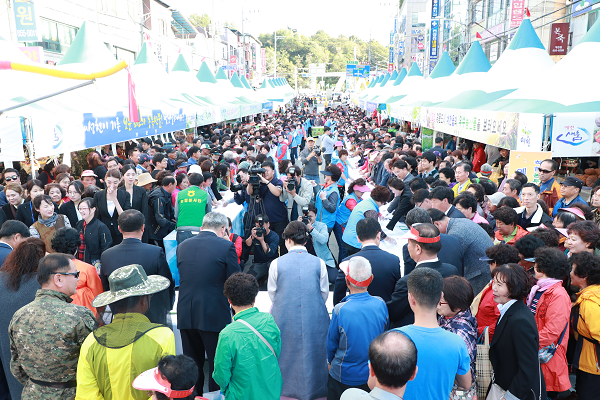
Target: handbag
496,393
546,353
483,364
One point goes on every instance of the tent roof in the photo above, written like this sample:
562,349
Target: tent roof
235,81
87,48
181,64
525,37
146,55
221,74
444,67
245,82
401,75
474,61
204,74
414,70
385,79
264,84
394,75
593,35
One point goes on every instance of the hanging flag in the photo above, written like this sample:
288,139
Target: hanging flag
527,13
478,35
134,111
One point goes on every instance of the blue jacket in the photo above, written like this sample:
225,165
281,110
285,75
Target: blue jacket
343,212
561,204
355,322
326,209
357,214
320,238
296,138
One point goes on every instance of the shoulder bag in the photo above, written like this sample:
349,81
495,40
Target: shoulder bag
545,353
259,335
483,364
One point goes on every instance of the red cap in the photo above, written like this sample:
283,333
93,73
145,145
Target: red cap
152,380
414,235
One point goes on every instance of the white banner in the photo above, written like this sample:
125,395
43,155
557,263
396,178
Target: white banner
513,131
11,140
576,135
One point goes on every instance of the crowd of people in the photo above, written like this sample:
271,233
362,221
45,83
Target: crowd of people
428,252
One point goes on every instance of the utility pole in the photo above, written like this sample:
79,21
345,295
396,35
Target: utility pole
275,38
296,78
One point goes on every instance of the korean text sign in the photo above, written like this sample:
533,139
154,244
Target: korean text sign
528,162
25,22
559,39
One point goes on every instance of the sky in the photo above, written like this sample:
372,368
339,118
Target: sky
335,17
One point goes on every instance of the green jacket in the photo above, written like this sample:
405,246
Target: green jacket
245,368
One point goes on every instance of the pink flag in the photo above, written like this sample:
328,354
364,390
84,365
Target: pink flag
134,111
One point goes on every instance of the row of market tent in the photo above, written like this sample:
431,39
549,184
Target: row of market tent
513,100
98,114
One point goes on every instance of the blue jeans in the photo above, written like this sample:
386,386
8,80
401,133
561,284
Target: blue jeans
338,231
315,178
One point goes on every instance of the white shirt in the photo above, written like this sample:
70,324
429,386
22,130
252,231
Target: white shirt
272,283
110,206
504,307
427,261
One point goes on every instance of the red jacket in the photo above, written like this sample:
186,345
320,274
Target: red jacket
478,159
488,313
551,317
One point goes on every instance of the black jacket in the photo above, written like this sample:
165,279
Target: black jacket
401,207
7,211
514,353
111,222
68,209
386,272
204,261
152,259
97,239
453,212
451,253
27,214
399,310
140,202
161,214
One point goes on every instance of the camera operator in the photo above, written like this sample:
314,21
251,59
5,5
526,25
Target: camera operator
269,191
311,159
318,240
263,242
297,192
328,198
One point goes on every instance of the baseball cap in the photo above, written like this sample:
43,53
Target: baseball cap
496,197
205,146
143,158
351,271
328,173
195,169
574,210
310,138
486,258
147,140
88,172
415,235
338,143
216,150
152,380
572,181
362,188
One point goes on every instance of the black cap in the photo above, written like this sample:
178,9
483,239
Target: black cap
572,181
147,140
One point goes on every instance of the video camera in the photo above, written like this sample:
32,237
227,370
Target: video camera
291,183
237,186
317,151
254,179
305,218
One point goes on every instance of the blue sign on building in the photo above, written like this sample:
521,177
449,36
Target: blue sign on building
435,8
433,50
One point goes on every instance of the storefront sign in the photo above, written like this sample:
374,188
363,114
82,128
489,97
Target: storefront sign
390,68
516,13
559,39
25,22
528,162
391,58
433,50
263,60
487,35
435,8
576,135
401,48
34,53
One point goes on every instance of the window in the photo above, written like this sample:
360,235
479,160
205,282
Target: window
56,37
592,17
477,11
494,7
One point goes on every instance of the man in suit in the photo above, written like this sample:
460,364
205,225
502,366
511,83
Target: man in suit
205,261
386,266
442,199
450,253
151,258
423,246
12,233
473,240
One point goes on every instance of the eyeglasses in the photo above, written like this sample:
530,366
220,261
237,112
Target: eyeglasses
442,303
11,178
544,171
75,274
83,209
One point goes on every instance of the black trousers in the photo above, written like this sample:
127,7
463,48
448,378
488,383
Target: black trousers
335,388
587,385
278,228
327,158
351,249
195,343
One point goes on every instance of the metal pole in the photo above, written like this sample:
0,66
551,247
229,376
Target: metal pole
296,78
275,37
47,96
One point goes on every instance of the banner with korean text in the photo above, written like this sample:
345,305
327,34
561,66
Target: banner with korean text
528,162
25,21
513,131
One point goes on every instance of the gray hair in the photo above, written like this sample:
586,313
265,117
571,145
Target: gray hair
417,215
359,268
214,221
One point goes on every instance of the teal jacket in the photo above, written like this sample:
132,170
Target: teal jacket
245,367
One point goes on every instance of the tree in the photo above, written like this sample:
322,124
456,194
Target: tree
200,20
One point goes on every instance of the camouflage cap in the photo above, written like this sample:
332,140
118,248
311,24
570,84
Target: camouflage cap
129,281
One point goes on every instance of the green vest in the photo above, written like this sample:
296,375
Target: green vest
192,206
